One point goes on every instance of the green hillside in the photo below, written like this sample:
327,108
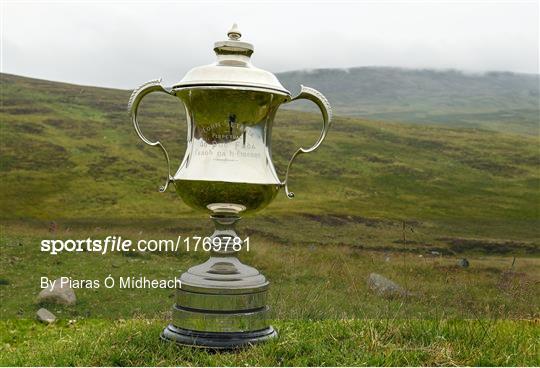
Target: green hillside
70,155
498,100
402,200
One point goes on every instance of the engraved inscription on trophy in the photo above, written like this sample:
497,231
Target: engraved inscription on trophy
239,142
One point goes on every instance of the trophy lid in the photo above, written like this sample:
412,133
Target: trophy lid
232,68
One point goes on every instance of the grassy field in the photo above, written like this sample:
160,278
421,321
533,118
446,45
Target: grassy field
483,315
332,278
69,155
315,343
405,201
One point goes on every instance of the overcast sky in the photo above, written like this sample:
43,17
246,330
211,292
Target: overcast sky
122,44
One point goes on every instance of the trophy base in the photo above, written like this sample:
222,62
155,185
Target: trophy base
216,340
221,303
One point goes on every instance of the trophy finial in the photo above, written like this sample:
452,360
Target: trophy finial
234,33
233,46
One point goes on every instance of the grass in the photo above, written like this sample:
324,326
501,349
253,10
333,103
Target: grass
483,315
406,201
300,343
332,278
69,155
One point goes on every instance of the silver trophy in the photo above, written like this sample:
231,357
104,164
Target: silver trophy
227,171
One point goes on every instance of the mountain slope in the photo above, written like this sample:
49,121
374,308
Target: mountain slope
70,153
498,100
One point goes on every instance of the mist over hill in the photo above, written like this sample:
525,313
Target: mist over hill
502,101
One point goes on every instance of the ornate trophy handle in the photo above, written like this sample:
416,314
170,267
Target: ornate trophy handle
321,101
133,106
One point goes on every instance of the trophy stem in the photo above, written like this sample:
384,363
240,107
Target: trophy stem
225,234
222,302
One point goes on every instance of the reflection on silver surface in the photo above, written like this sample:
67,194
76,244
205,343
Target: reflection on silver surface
228,157
223,302
203,278
242,321
229,142
226,171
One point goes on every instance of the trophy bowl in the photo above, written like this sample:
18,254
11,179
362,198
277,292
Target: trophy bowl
226,171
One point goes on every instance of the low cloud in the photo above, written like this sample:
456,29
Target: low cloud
122,44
